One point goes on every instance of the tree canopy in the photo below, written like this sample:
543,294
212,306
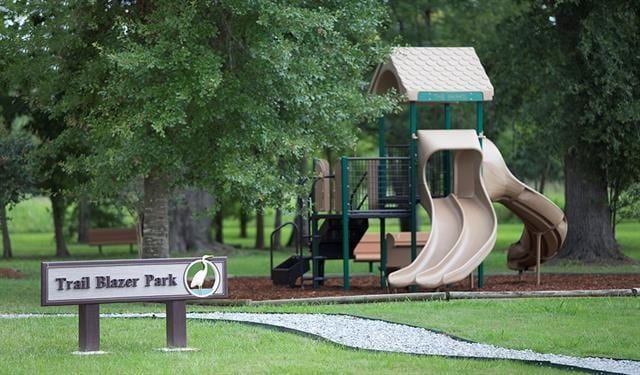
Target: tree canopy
200,93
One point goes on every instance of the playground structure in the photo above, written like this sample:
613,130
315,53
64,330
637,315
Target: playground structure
455,174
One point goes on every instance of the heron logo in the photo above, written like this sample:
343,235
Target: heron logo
202,277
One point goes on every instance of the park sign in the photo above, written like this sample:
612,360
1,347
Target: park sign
109,281
171,281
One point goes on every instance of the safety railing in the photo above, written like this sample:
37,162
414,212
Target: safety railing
376,183
298,249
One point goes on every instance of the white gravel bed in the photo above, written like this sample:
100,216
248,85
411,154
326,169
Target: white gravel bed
380,335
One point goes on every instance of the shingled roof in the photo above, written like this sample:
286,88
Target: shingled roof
434,74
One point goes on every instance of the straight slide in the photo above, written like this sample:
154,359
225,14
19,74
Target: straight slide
463,229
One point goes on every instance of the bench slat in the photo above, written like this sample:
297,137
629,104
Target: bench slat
398,247
112,236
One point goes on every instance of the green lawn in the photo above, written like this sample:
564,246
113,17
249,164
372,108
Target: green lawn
227,348
582,326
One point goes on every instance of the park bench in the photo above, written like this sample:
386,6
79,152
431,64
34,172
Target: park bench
368,249
398,248
112,236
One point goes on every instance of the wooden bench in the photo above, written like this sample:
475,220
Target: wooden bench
398,248
368,249
112,236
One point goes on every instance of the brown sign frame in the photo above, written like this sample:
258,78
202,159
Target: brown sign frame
46,266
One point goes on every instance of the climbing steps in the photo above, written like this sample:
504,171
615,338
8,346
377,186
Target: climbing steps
329,247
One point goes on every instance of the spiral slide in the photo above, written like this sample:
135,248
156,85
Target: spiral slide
463,230
544,222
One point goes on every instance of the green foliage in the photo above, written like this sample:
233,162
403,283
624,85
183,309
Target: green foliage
16,168
565,69
531,157
101,216
629,204
442,23
210,94
31,216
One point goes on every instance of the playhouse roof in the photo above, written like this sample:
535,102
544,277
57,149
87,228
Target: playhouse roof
434,74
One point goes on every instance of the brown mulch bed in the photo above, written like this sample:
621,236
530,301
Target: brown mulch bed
261,288
9,273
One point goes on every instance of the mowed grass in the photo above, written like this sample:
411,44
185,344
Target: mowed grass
227,348
604,327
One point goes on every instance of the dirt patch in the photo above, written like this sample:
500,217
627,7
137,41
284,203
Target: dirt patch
9,273
261,288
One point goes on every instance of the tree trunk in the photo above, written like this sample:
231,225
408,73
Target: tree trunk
244,220
590,237
190,224
219,225
58,208
84,217
259,229
6,240
155,236
276,237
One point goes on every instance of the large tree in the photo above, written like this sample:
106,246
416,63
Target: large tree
570,69
208,94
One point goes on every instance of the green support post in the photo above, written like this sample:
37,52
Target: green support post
381,142
413,127
382,186
315,250
382,166
480,120
383,254
446,160
480,131
344,171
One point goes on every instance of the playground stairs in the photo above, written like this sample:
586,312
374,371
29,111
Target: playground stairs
329,247
287,272
330,244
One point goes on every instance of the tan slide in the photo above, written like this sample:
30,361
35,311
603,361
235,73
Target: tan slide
543,220
463,229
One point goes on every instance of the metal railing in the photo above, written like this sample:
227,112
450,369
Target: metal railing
298,249
377,183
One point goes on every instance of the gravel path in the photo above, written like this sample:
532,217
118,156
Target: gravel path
380,335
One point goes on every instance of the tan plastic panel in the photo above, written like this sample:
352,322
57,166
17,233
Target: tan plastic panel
322,188
411,70
399,248
335,189
463,229
372,184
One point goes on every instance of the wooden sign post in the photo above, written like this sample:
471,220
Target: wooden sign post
171,281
